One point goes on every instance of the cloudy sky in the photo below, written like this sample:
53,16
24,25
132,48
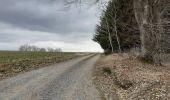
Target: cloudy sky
47,23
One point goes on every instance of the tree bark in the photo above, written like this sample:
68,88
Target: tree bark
110,37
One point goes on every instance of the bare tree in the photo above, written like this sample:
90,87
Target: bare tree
109,36
58,50
153,25
103,5
50,49
21,48
42,50
34,48
24,47
115,25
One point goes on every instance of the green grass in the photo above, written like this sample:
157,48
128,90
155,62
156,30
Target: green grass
10,56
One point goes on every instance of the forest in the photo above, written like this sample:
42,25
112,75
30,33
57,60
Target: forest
141,24
135,36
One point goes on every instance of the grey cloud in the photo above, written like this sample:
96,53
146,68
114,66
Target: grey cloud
46,16
42,21
17,36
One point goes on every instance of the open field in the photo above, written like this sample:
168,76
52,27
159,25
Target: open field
11,56
13,63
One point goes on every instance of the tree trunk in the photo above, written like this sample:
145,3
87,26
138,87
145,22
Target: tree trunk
110,37
149,16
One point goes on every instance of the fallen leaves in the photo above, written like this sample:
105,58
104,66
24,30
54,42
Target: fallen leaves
131,79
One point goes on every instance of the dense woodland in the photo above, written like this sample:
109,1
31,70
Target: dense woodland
136,23
127,28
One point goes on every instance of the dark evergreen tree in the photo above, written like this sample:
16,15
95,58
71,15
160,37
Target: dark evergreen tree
127,28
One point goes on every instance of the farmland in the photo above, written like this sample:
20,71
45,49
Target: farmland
9,56
14,62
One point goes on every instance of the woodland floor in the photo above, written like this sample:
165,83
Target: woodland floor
126,78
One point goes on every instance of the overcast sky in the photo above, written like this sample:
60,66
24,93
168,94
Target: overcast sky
47,23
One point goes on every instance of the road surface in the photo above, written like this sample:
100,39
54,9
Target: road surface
70,80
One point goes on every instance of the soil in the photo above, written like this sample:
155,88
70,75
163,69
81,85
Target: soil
24,65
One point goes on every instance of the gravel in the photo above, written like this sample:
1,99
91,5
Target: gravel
70,80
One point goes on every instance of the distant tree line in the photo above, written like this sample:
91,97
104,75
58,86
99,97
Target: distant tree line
118,30
34,48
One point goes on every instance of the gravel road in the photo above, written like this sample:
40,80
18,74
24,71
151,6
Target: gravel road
70,80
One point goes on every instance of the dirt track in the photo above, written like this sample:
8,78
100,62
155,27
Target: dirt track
70,80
